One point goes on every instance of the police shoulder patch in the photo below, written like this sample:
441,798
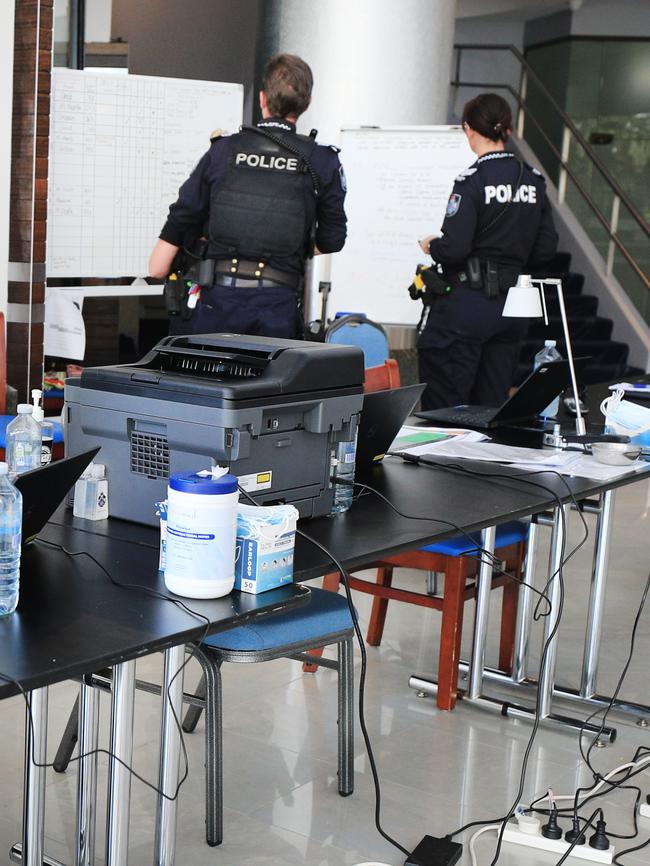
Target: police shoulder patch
334,148
453,204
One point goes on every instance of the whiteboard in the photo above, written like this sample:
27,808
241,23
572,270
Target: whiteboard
399,180
120,147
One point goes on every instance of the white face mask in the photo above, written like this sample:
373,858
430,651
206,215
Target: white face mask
626,418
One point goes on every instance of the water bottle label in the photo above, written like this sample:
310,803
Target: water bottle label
23,455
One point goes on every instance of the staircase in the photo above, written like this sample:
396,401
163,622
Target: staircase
591,334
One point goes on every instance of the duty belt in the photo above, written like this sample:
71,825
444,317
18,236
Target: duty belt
249,270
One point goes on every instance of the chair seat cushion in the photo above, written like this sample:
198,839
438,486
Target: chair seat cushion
325,614
507,534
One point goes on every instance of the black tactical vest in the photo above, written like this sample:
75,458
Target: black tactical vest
266,205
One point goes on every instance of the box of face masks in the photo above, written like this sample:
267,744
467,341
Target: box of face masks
264,549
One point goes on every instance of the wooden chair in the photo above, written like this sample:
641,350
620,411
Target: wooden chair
383,377
453,559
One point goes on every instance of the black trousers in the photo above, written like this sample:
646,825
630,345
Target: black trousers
263,310
467,351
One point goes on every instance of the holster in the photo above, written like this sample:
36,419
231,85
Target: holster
173,292
205,273
491,284
483,275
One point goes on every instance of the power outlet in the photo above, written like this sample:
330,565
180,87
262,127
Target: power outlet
556,846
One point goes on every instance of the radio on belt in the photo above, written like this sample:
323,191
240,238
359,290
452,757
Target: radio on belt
271,410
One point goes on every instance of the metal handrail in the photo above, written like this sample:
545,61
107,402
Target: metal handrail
593,156
620,197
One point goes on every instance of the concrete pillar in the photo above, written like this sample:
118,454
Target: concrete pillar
375,62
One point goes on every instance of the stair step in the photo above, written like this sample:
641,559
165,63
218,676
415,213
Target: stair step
559,264
573,283
591,374
608,351
587,328
576,305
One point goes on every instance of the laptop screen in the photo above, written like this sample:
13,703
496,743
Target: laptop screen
44,489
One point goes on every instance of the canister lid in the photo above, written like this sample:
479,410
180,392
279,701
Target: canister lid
205,485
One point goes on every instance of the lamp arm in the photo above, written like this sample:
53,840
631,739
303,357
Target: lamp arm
543,297
580,421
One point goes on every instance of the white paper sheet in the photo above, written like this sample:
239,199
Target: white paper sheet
422,440
493,453
64,334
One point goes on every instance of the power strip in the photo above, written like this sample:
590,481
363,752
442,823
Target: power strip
556,846
644,810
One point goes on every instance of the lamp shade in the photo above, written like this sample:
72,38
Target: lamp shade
523,300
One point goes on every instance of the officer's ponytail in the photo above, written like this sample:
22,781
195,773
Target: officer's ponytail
489,115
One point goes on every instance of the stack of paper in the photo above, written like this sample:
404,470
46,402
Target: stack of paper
421,440
573,463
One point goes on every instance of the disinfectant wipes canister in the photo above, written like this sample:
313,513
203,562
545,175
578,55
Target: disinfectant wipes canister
266,536
201,526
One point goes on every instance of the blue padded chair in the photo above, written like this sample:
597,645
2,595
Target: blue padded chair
355,329
324,621
454,559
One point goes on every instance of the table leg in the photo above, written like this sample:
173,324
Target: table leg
87,778
170,753
34,790
554,592
597,595
119,786
524,611
484,587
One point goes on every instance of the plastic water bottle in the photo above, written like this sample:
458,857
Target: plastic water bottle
23,442
11,518
549,353
343,459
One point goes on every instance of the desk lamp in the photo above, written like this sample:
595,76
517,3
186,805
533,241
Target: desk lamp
526,300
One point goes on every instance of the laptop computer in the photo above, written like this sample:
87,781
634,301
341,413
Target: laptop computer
44,489
382,416
536,392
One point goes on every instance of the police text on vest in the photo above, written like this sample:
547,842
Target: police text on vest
526,193
256,160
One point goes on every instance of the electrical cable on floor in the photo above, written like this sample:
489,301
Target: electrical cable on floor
472,841
100,751
616,860
564,558
590,823
362,679
526,479
634,768
610,704
491,559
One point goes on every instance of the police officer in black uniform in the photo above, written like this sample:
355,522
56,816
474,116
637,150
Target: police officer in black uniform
498,224
270,199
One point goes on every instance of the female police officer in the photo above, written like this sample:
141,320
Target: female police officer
270,198
498,223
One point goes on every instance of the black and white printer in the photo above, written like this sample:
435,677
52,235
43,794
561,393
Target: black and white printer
271,410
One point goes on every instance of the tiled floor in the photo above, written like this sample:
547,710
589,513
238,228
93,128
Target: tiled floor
438,770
